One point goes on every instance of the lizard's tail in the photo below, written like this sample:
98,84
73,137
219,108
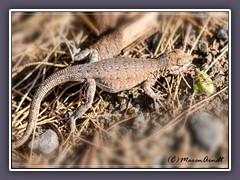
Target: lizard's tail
57,78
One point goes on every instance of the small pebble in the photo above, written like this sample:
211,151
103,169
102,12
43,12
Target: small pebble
123,131
169,79
160,162
68,114
155,41
209,58
183,96
139,121
214,52
46,143
139,126
203,47
133,110
207,130
222,34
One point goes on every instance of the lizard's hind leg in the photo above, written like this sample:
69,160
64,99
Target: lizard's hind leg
90,92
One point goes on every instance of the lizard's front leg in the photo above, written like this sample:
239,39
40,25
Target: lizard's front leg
90,92
92,54
147,88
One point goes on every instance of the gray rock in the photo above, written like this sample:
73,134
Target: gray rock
139,121
207,130
222,34
46,143
155,41
203,47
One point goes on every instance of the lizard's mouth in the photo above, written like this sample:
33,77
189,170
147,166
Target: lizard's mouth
184,70
177,69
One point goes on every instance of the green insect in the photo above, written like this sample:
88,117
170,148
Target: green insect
203,83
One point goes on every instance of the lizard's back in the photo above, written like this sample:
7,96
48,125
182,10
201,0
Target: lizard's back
114,75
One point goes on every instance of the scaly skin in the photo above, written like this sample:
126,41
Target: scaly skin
112,75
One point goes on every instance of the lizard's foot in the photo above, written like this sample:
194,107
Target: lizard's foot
92,54
71,121
157,103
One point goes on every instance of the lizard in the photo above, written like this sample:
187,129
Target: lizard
111,75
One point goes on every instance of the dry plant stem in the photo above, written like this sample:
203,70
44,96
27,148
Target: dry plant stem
83,126
21,113
69,46
120,122
23,54
72,94
62,155
67,140
164,34
185,81
193,22
174,41
89,24
35,19
221,20
21,94
49,120
169,88
172,95
25,95
188,31
20,68
178,23
177,87
125,35
90,156
63,91
78,134
205,26
223,52
89,142
26,49
47,58
78,38
97,104
162,85
105,131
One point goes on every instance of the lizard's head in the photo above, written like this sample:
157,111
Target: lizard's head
177,61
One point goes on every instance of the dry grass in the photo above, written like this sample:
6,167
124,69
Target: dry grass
106,135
